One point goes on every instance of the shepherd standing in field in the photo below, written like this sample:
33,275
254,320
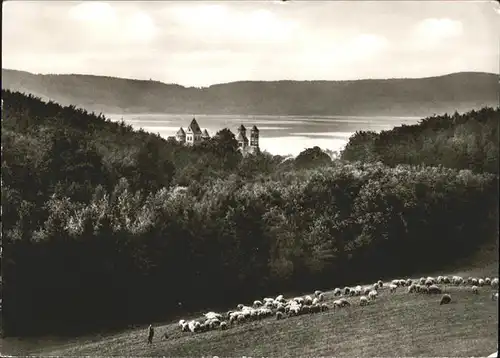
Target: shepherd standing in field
151,333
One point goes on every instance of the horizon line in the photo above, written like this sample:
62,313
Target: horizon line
239,81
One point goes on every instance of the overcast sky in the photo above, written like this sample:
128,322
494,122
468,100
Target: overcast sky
197,43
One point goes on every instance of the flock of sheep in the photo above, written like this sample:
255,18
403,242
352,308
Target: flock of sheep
281,308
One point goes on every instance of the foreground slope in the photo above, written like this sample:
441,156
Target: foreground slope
398,324
396,97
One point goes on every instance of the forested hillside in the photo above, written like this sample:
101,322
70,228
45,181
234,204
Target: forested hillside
393,97
461,141
103,225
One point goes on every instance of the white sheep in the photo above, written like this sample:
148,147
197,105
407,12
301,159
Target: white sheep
264,312
494,296
440,279
299,300
375,287
280,298
366,290
341,303
380,283
185,326
315,301
475,290
317,293
457,280
480,282
409,282
402,283
487,281
494,283
422,280
412,288
337,292
429,282
181,322
395,282
213,323
270,304
363,301
347,290
321,297
233,317
393,287
212,315
446,279
308,300
205,327
294,310
372,295
475,281
257,303
241,318
194,326
223,325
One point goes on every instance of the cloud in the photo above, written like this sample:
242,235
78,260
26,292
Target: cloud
216,23
99,23
202,43
94,12
431,32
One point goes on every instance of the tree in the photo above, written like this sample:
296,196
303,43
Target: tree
312,157
152,171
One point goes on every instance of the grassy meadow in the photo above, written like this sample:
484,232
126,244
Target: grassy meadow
397,324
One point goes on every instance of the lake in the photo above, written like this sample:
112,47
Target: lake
278,134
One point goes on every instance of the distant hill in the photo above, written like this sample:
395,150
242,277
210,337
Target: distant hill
397,97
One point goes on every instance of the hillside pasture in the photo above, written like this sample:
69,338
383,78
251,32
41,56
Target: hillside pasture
397,324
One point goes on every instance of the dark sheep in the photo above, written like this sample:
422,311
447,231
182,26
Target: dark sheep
434,289
445,299
315,309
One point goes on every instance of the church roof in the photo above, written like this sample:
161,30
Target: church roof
194,127
242,128
241,137
205,134
255,129
181,132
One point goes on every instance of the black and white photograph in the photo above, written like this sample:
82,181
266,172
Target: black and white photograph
242,178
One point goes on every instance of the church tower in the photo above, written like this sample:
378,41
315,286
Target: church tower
254,139
193,133
242,138
181,136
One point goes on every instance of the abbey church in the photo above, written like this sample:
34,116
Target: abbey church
193,135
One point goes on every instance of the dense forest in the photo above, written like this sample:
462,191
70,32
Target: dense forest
460,141
106,226
371,97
